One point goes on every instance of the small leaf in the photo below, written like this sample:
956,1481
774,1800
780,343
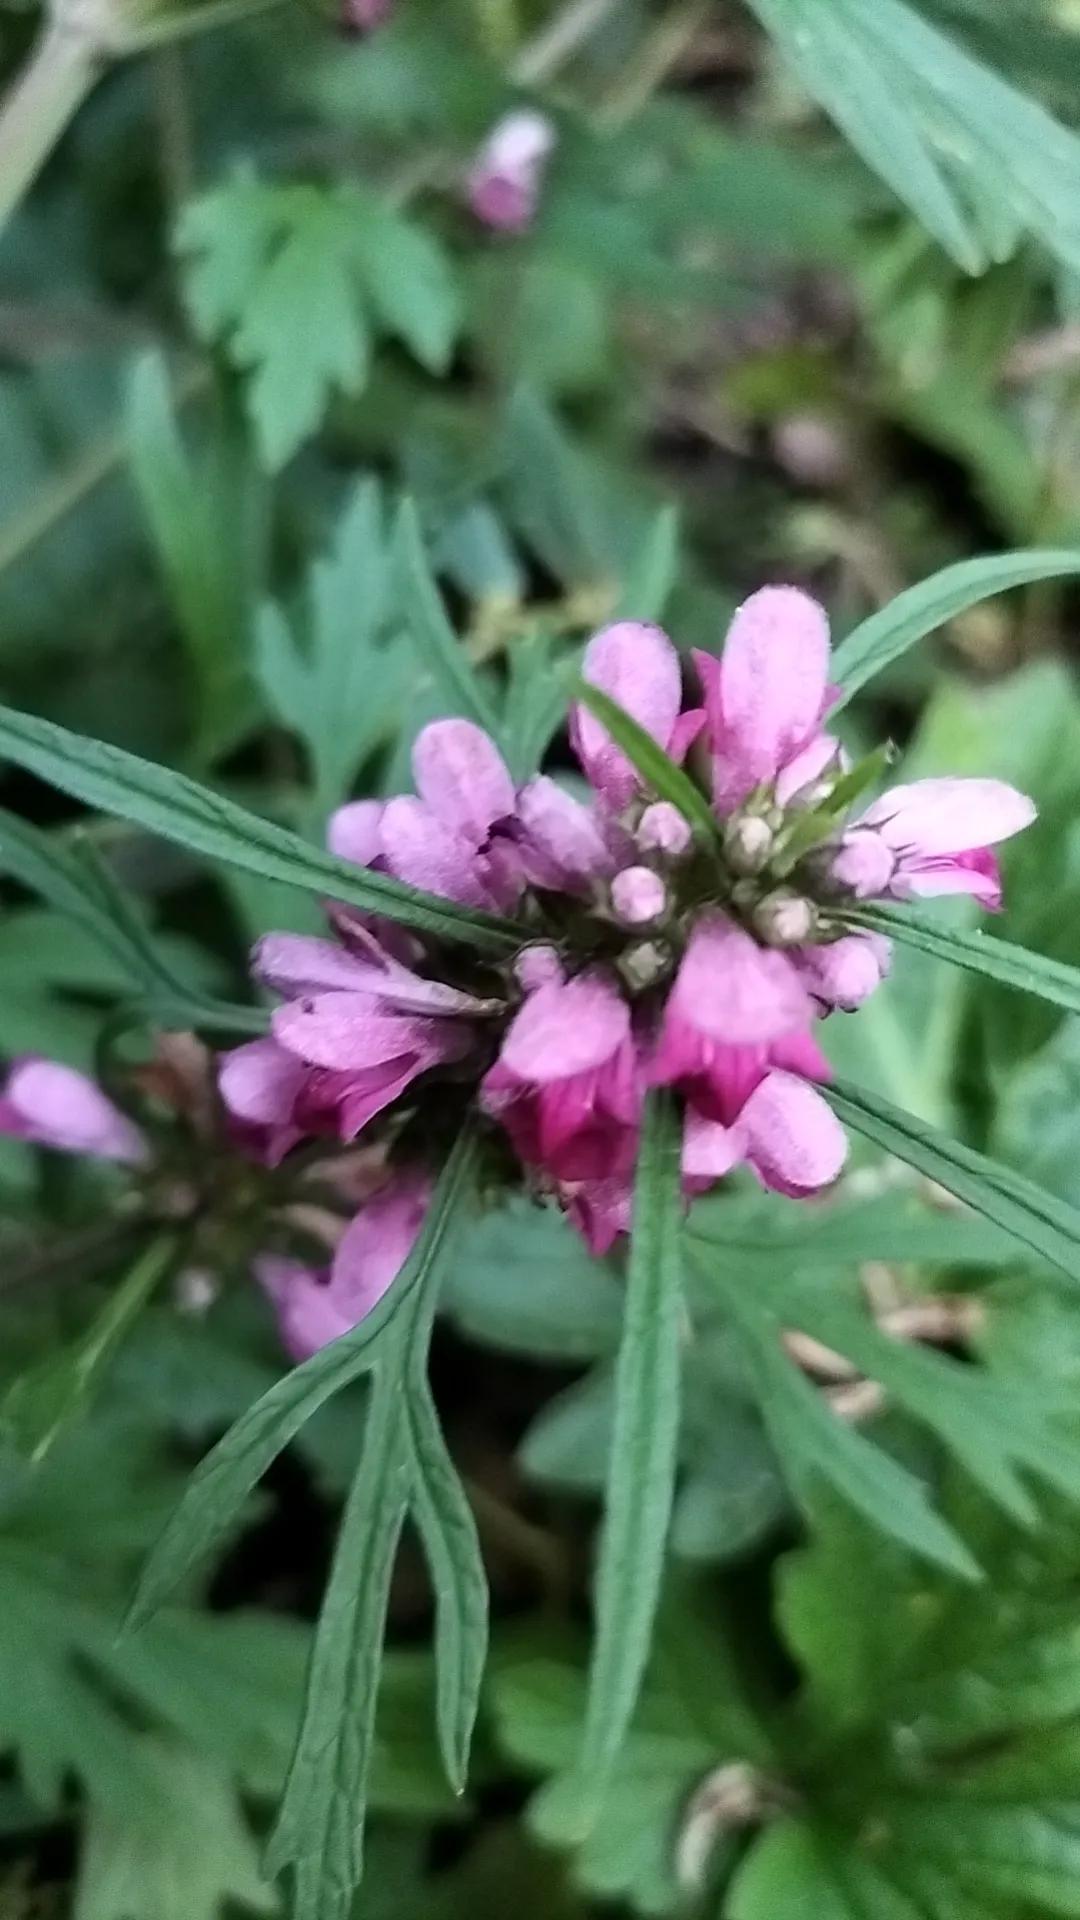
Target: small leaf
979,952
58,1390
437,645
409,282
921,610
222,1481
649,581
165,802
447,1529
659,773
1032,1216
641,1478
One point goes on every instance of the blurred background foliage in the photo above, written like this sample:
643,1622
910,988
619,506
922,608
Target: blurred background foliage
243,309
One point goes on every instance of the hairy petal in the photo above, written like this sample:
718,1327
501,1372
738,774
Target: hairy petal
350,1030
794,1141
932,817
732,990
772,681
353,832
636,666
56,1106
422,850
566,1028
462,777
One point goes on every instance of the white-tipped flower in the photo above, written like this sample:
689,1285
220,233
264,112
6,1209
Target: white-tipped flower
506,177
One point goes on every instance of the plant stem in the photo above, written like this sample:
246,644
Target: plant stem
60,73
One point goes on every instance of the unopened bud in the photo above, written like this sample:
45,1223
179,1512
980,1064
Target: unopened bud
663,829
784,919
643,965
863,864
727,1801
748,842
638,895
537,967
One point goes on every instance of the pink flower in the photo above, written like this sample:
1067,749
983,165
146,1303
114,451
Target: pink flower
56,1106
458,838
563,845
735,1011
932,837
766,696
355,1030
363,16
638,668
316,1307
566,1085
845,972
506,177
786,1133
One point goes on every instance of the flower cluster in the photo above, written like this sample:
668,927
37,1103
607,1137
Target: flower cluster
657,950
652,955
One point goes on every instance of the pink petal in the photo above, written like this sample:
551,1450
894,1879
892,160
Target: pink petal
58,1107
709,1151
562,833
795,1142
931,817
353,832
376,1245
349,1030
462,777
845,973
773,674
732,990
663,829
977,873
636,666
424,852
294,964
600,1210
565,1029
822,755
638,896
864,863
259,1082
308,1317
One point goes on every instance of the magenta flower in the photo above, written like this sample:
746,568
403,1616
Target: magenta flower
845,972
354,1032
566,1085
932,837
765,699
785,1132
638,668
314,1307
505,179
56,1106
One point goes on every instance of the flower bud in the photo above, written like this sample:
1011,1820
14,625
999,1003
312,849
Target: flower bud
846,972
863,864
536,967
643,965
784,918
748,842
638,895
663,829
505,179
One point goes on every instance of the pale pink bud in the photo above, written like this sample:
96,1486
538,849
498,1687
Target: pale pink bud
58,1107
638,895
863,865
784,919
663,829
505,179
748,842
537,967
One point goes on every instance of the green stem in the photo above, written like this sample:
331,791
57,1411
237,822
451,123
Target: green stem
61,72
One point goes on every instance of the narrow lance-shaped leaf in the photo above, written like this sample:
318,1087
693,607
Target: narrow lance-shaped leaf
979,952
434,638
165,802
641,1473
320,1828
222,1481
1035,1218
921,610
657,770
447,1529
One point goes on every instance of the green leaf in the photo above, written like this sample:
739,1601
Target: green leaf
1034,1218
320,1826
409,282
659,773
447,1529
59,1388
327,677
641,1478
179,1856
222,1481
817,1448
651,578
165,802
319,1830
527,1283
921,610
976,161
207,522
978,952
438,647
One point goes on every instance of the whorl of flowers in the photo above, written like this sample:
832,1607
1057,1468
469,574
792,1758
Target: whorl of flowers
653,954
